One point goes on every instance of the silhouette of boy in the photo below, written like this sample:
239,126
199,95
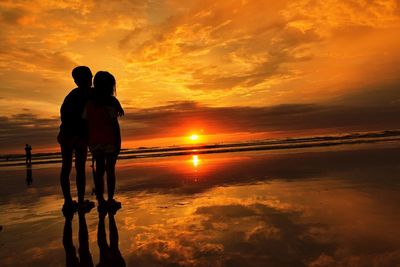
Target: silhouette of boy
73,138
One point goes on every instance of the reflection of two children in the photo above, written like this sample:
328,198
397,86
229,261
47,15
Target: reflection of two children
110,255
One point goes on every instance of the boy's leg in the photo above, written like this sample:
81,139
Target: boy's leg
70,251
66,154
80,161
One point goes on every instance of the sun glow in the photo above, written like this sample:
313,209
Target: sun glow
194,137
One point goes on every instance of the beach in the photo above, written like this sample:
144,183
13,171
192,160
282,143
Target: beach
313,206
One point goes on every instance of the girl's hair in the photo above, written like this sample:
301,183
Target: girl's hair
104,83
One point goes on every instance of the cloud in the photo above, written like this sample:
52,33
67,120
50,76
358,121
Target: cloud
178,118
261,52
329,16
38,30
22,128
222,45
12,16
192,241
34,60
248,53
233,59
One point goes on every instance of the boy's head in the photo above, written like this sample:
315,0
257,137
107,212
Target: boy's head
82,76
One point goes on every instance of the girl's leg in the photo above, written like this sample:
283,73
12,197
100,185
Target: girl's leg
99,177
110,169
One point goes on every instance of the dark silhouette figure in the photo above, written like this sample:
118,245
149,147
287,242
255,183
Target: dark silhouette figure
73,138
29,179
102,112
85,258
110,255
28,154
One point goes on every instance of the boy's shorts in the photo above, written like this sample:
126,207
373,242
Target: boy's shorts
72,142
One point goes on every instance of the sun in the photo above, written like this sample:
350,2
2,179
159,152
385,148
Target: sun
194,137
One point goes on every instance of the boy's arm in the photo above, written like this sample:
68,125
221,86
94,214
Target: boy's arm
63,110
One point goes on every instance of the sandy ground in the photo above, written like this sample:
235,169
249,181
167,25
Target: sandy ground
310,207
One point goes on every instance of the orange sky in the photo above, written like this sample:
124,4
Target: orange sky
227,68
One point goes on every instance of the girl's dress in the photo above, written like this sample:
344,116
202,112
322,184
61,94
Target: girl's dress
102,118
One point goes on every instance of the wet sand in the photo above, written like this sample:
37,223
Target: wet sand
308,207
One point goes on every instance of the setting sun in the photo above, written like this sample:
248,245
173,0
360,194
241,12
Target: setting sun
194,137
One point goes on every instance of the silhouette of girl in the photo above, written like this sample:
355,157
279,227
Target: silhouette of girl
102,112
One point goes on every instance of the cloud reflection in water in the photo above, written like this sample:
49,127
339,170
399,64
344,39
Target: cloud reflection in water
315,208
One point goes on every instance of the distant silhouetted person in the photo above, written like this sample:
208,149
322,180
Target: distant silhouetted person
29,179
110,255
28,154
102,112
73,138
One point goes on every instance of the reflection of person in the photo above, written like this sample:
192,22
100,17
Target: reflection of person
28,154
70,251
85,258
29,179
73,138
110,255
102,112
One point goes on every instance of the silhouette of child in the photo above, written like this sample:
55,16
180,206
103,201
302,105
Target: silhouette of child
102,112
73,139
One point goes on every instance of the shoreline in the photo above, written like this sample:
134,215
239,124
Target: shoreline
282,144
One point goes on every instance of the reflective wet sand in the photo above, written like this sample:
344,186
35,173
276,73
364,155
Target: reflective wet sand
286,208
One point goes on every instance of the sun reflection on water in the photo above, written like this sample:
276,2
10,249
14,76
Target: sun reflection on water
195,161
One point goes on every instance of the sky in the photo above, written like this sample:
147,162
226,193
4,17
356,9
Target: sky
225,70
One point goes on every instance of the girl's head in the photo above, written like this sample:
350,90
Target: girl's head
104,83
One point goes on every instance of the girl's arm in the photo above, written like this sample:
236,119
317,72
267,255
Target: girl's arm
118,107
117,132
